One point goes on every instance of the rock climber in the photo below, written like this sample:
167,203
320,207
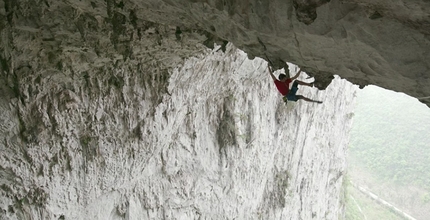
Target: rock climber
283,86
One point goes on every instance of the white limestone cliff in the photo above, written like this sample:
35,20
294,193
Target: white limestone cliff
219,144
108,111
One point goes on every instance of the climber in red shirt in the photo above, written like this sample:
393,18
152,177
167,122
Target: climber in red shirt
283,86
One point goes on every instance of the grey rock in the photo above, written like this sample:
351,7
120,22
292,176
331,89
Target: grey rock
365,41
99,106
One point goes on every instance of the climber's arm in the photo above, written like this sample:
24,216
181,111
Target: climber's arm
271,72
297,75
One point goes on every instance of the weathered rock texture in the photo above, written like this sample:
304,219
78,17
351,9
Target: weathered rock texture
368,42
96,123
365,41
379,42
210,140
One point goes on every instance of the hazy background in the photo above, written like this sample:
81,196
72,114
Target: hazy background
389,155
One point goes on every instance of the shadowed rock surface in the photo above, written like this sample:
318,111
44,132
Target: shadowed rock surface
115,109
380,42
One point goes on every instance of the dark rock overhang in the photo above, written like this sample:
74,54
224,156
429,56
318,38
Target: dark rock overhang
365,41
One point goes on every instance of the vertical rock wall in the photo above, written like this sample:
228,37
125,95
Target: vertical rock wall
210,139
106,115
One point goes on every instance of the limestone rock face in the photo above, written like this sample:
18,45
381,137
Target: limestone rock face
115,109
365,41
378,42
212,140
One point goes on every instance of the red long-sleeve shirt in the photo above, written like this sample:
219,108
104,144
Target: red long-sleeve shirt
283,87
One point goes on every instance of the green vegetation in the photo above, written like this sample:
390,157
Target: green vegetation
359,206
391,137
389,153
